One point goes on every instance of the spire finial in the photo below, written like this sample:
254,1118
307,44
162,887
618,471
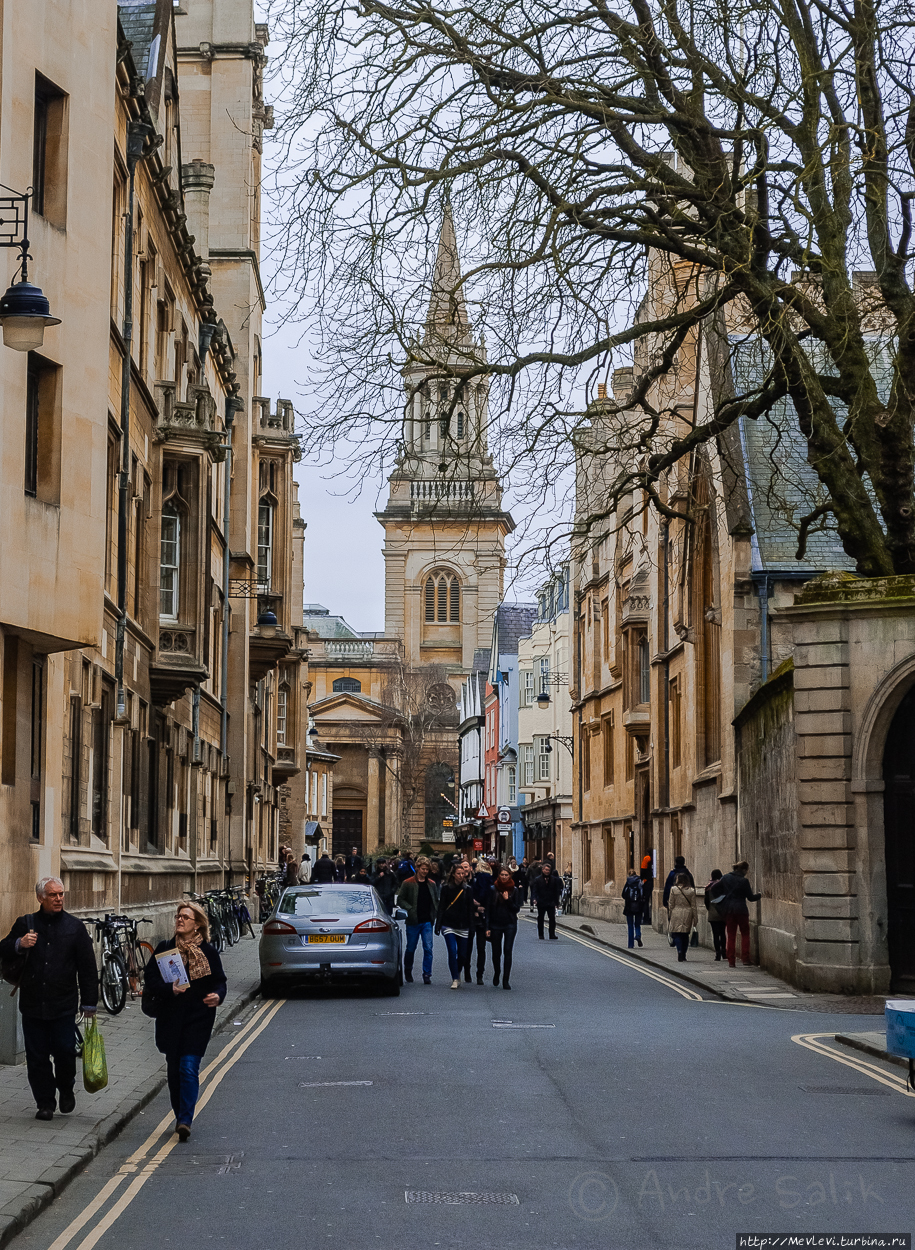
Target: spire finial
447,317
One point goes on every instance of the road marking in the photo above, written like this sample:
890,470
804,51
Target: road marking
691,995
327,1084
130,1167
813,1041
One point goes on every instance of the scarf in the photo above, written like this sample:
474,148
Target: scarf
195,961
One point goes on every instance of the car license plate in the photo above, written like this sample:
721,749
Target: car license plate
325,939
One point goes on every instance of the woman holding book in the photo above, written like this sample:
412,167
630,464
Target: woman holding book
184,1009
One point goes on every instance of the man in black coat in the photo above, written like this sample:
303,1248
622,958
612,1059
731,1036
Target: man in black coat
385,884
352,863
53,953
323,871
730,897
679,866
545,892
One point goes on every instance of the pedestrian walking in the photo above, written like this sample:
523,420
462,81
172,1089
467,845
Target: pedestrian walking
51,955
323,871
480,887
533,873
522,877
455,918
679,866
715,918
682,913
419,897
435,872
633,906
385,884
646,876
502,906
352,863
406,867
545,893
292,870
305,869
730,900
185,1014
339,868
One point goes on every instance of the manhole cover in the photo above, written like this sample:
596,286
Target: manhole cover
845,1089
327,1084
426,1196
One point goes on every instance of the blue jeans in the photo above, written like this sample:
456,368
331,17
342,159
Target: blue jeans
635,928
457,954
414,933
681,941
183,1085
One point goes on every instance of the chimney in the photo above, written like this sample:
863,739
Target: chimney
602,390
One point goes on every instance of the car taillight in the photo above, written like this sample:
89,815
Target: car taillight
373,926
275,927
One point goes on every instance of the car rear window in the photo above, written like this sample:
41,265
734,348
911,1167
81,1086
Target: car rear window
344,902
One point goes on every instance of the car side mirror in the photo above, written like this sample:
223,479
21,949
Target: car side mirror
400,914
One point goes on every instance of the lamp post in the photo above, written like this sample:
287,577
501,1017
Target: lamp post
567,742
24,308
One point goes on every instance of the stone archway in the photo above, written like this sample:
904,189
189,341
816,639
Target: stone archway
899,838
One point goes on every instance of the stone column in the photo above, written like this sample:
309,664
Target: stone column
392,832
197,180
371,811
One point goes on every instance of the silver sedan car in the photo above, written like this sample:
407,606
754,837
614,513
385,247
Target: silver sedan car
331,933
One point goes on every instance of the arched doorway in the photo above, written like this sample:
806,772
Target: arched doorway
899,831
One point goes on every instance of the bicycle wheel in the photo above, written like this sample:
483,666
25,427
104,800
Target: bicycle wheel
245,921
234,932
113,982
217,937
139,956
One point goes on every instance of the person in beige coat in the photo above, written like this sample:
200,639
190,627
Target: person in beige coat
682,913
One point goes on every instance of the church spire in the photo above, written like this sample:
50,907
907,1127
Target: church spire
447,318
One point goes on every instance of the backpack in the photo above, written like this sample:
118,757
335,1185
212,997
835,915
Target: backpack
633,895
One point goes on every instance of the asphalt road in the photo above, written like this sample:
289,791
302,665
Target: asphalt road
642,1118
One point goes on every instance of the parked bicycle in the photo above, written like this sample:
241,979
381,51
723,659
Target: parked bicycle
267,888
124,958
227,912
565,898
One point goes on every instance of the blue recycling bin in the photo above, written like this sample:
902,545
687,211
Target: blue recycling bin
900,1027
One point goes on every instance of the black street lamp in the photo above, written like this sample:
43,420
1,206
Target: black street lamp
24,309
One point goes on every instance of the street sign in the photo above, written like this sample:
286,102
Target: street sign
478,844
448,823
505,816
482,814
447,835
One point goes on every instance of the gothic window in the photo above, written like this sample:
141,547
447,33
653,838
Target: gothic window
347,684
460,424
264,543
442,598
282,711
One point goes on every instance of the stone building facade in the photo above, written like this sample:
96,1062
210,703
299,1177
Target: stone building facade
148,612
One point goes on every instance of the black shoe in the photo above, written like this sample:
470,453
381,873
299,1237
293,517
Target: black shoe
44,1113
505,985
717,958
426,980
407,976
467,977
479,979
67,1102
184,1132
639,940
554,937
497,978
681,959
540,935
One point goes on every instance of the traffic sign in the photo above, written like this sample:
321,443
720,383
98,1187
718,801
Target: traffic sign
482,814
505,816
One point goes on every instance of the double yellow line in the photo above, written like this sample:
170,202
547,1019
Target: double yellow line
815,1042
140,1165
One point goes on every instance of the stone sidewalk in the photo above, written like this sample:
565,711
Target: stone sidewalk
38,1159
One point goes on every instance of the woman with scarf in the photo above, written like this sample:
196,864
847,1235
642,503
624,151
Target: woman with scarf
502,906
456,917
185,1014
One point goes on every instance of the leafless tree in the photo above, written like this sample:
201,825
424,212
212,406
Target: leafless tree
762,151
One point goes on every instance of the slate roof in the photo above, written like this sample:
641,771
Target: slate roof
137,22
318,619
782,486
513,622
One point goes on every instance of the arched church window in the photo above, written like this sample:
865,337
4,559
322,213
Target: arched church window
460,424
347,685
442,597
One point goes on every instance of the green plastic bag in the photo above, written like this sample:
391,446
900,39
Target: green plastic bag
95,1066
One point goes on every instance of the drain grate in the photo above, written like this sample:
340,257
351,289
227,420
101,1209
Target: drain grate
303,1056
473,1200
846,1089
327,1084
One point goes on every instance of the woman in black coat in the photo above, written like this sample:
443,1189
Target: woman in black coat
456,912
503,902
185,1014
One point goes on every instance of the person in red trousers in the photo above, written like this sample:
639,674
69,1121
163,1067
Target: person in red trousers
730,899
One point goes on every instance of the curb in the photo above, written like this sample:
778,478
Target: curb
654,963
55,1179
854,1042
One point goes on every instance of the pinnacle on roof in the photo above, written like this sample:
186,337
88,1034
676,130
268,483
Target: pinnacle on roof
447,316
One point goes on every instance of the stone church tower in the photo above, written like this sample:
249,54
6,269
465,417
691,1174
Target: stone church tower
444,525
